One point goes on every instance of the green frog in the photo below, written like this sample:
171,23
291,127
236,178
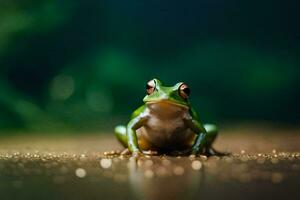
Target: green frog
167,124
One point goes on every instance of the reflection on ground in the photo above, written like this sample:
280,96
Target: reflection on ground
65,168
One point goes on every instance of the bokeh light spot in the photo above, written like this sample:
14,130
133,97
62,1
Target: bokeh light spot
81,173
99,101
62,87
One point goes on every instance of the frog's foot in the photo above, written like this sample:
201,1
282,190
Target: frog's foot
150,153
137,154
125,152
212,152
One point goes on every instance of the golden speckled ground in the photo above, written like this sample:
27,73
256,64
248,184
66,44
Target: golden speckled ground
265,164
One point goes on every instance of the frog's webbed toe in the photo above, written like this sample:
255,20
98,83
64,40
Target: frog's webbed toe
126,152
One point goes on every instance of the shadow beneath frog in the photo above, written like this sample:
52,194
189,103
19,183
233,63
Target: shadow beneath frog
186,152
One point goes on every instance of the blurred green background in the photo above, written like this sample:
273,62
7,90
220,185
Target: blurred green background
83,65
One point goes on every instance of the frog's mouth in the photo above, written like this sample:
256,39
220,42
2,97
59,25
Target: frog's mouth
168,102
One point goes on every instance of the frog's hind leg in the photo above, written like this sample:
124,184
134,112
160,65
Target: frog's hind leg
212,133
120,132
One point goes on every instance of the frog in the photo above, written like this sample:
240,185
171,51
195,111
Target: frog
167,123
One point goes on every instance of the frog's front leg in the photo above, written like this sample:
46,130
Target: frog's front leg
127,136
131,137
206,135
199,130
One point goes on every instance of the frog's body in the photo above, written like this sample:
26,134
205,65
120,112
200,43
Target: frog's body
166,123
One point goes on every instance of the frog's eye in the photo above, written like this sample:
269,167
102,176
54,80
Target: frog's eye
184,91
150,87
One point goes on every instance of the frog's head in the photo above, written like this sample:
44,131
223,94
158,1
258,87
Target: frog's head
177,94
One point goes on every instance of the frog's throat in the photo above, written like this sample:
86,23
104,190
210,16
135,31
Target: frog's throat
168,102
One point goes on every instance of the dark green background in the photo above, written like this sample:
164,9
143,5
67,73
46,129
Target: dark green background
83,65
